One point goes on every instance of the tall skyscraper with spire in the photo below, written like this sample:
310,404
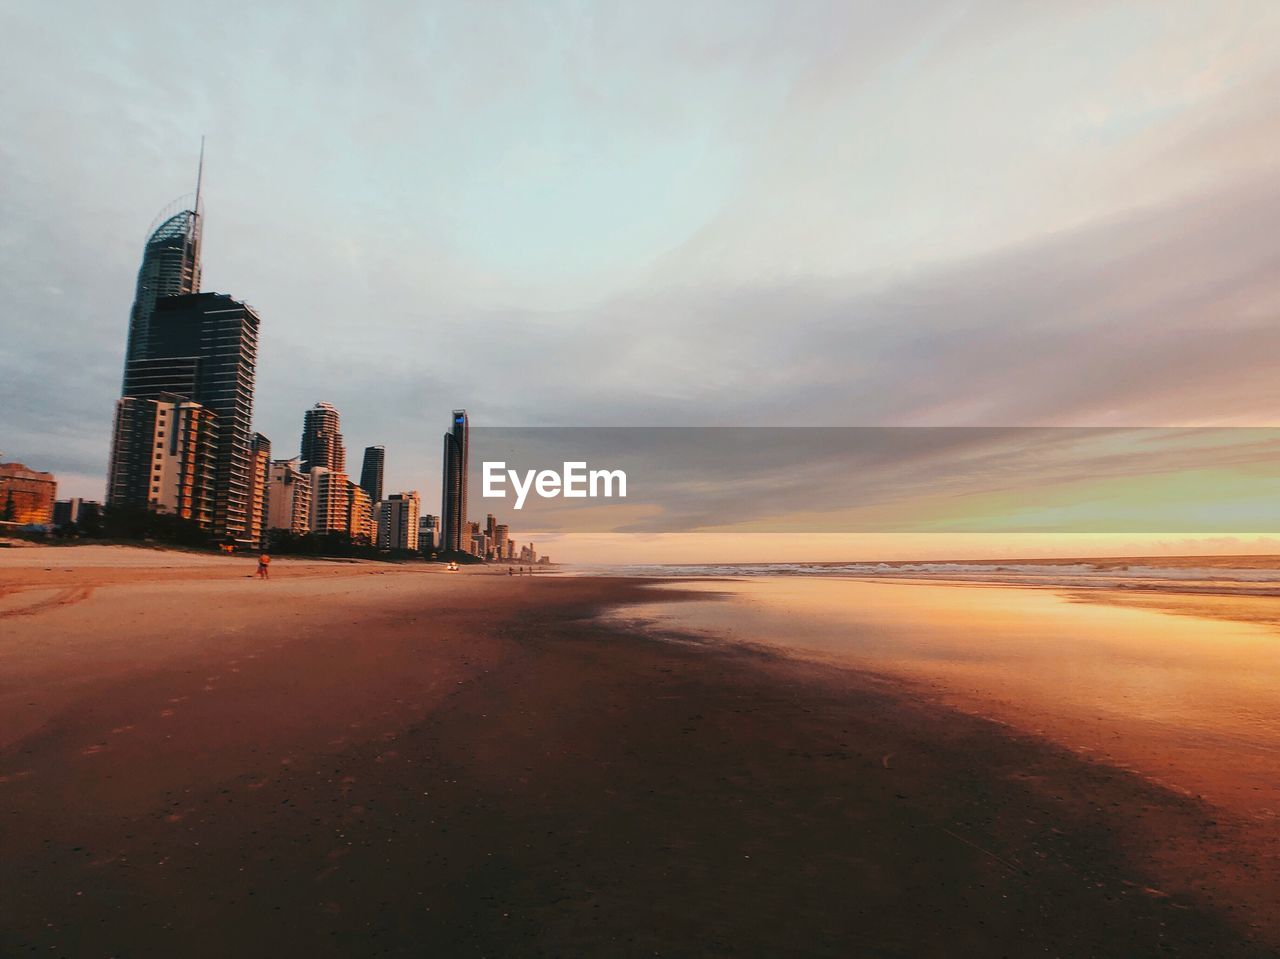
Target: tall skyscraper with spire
453,506
170,264
183,440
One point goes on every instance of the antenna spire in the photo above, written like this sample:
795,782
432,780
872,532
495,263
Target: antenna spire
199,176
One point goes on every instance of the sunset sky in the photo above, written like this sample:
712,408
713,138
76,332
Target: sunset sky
653,214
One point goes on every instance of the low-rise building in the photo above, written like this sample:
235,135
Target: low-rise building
26,495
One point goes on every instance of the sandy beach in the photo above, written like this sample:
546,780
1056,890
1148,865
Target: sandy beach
360,759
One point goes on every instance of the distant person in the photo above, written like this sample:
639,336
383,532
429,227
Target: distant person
510,571
264,566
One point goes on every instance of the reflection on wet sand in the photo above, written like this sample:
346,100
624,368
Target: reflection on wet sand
1184,690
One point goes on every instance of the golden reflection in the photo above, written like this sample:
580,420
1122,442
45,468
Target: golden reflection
1186,691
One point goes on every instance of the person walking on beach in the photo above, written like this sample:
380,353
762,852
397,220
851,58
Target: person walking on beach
264,566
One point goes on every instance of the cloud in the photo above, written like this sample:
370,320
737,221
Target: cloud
726,214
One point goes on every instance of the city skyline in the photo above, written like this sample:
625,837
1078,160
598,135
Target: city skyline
948,255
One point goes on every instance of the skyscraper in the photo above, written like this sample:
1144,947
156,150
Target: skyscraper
259,488
322,440
170,265
201,347
375,459
453,507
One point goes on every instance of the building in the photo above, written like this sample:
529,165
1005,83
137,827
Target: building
399,521
288,497
260,487
67,512
164,457
201,348
170,267
204,347
453,506
26,495
322,440
375,461
428,533
501,540
330,501
361,523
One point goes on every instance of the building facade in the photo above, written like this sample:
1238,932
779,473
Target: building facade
399,521
26,495
371,470
164,457
330,501
428,533
288,497
361,522
75,510
260,488
212,339
453,506
170,267
322,440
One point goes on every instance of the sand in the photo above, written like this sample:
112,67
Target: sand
362,759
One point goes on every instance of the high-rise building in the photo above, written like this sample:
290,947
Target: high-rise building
164,457
170,266
203,347
501,536
289,497
375,460
322,440
330,501
398,521
361,524
26,495
259,487
453,506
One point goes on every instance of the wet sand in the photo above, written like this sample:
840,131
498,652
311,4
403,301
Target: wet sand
356,759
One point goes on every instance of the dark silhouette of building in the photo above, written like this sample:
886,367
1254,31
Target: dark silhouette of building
455,537
76,511
322,440
375,461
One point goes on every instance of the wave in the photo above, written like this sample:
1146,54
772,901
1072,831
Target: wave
1101,574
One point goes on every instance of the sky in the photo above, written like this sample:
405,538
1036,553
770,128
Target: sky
740,213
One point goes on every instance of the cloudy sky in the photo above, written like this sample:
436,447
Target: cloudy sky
913,213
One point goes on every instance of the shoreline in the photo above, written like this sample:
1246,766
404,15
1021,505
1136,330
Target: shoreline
402,761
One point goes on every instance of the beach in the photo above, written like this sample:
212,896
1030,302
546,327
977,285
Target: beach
375,759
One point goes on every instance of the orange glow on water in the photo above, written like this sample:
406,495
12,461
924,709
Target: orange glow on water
1190,701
